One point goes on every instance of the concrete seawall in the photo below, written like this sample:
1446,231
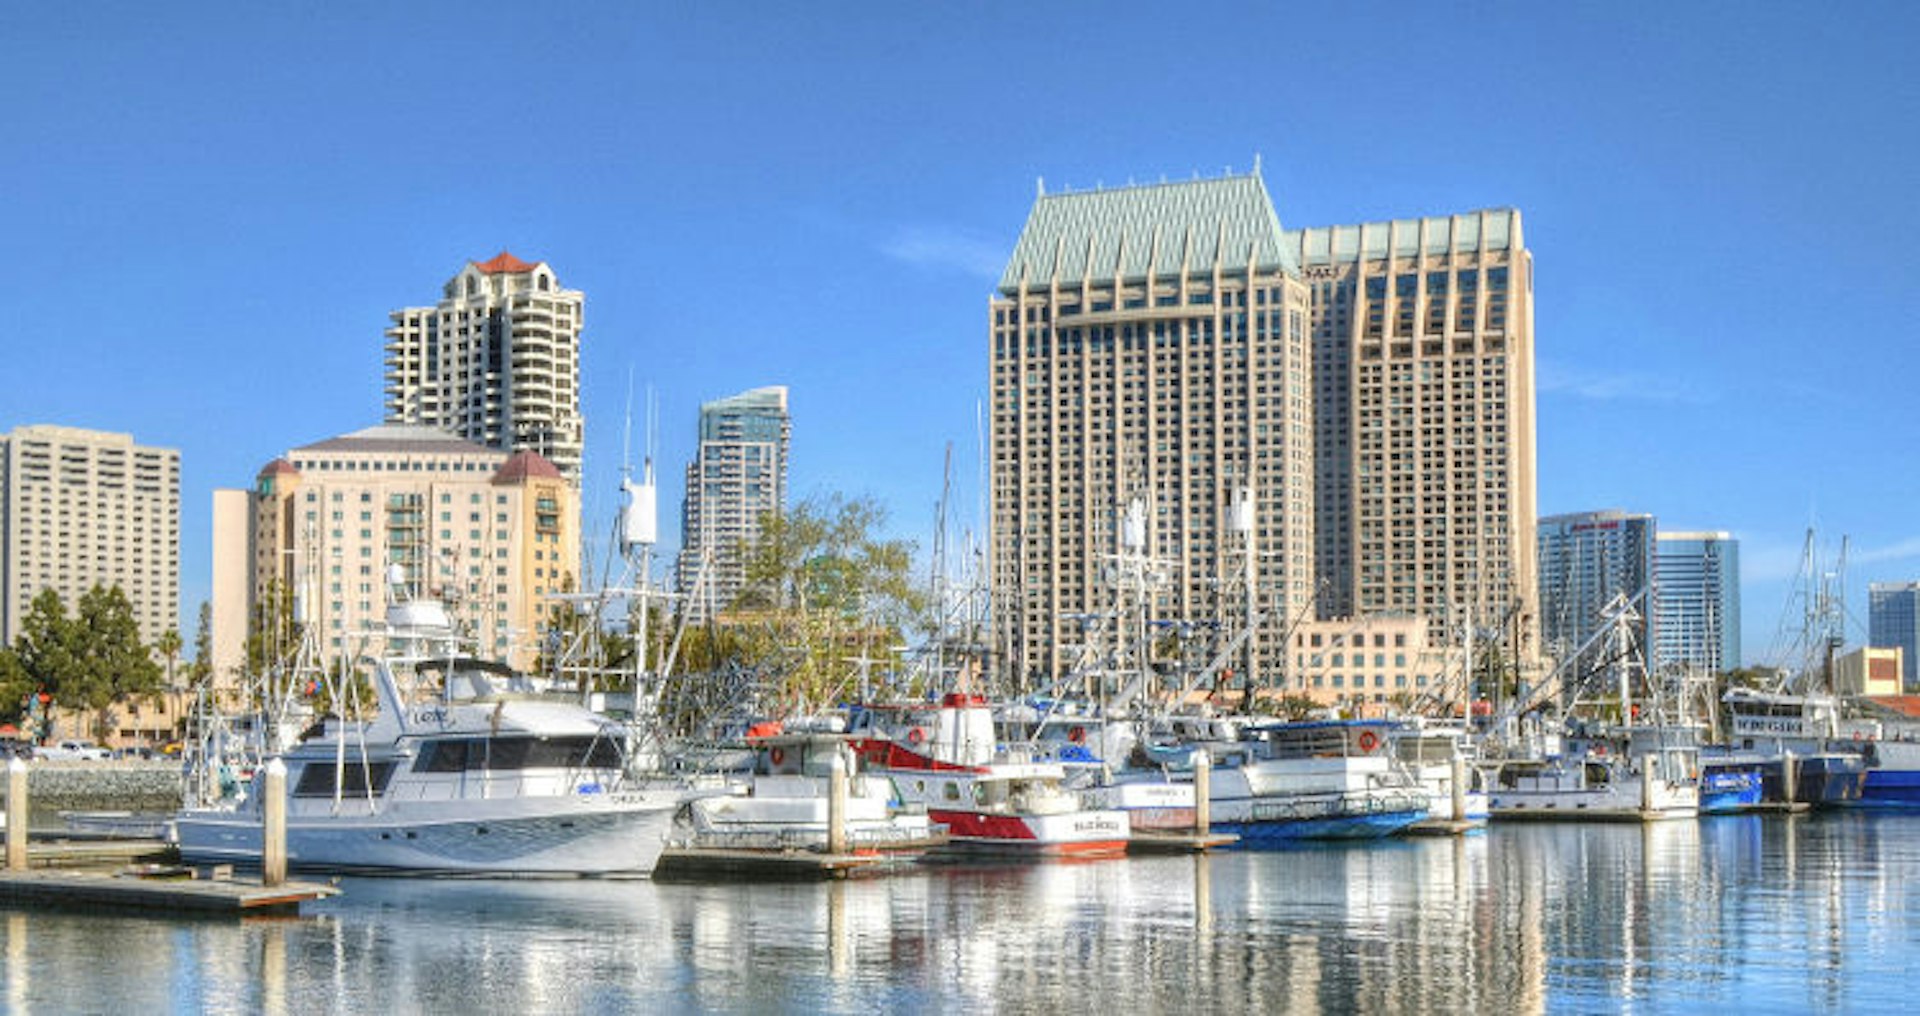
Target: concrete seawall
103,786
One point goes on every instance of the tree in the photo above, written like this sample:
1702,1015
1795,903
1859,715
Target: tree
272,635
169,645
821,584
114,664
201,669
46,653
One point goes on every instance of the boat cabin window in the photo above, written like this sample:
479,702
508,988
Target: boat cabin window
468,678
452,755
317,779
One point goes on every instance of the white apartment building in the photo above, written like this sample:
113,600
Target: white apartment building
496,361
80,508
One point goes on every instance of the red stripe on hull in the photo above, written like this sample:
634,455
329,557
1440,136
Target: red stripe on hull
1007,832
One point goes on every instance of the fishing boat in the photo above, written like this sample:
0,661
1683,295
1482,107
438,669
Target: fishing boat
1313,780
1731,783
1441,755
1599,777
784,804
944,757
464,767
1800,734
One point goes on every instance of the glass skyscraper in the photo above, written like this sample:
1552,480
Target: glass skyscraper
1587,559
1696,617
1893,621
738,476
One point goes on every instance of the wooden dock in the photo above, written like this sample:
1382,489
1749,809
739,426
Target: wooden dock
699,864
1444,827
83,890
80,852
1176,841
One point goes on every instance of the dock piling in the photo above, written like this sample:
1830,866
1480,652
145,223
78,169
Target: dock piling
273,832
837,804
1202,791
1789,777
1459,785
1647,767
16,815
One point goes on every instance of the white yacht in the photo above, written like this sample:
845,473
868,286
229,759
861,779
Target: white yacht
465,768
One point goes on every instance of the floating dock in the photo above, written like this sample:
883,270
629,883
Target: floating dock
695,864
1175,841
1444,827
57,889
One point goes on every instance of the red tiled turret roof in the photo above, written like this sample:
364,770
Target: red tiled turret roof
524,465
277,467
504,263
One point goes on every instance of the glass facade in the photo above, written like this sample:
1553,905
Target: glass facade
1696,622
1893,622
1587,559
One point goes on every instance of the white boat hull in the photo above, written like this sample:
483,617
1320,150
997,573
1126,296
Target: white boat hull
603,835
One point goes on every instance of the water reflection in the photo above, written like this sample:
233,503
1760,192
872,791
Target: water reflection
1804,913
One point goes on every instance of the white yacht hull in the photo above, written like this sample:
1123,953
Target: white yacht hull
586,834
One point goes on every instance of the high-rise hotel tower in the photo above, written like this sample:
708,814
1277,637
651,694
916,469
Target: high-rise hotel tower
1424,413
496,361
1149,356
80,508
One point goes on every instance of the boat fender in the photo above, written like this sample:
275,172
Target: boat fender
1077,735
1369,740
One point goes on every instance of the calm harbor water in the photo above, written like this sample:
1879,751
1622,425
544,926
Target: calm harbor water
1768,914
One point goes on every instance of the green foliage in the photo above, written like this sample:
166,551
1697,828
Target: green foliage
1295,706
88,660
201,669
822,585
272,637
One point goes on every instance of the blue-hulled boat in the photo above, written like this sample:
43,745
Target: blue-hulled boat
1326,780
1730,785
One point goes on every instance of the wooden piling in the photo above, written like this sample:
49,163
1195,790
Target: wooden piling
16,815
273,832
1459,789
836,804
1202,791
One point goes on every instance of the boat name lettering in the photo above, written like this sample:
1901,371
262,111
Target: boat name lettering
1756,725
429,714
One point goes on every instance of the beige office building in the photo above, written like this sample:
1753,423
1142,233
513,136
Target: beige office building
496,361
492,533
1149,348
1366,664
1424,399
80,508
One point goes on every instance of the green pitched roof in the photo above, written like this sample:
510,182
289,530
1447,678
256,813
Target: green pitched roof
1159,229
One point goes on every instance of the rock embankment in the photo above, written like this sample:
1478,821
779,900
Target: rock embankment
104,786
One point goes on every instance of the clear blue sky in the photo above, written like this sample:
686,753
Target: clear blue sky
208,210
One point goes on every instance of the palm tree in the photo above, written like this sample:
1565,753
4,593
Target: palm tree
169,645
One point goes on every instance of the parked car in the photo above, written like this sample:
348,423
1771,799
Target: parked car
15,747
74,751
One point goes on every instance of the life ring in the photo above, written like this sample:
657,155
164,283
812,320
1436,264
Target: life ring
916,735
778,755
1369,740
1077,735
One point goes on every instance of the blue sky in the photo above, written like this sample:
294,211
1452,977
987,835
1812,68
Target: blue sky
209,210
